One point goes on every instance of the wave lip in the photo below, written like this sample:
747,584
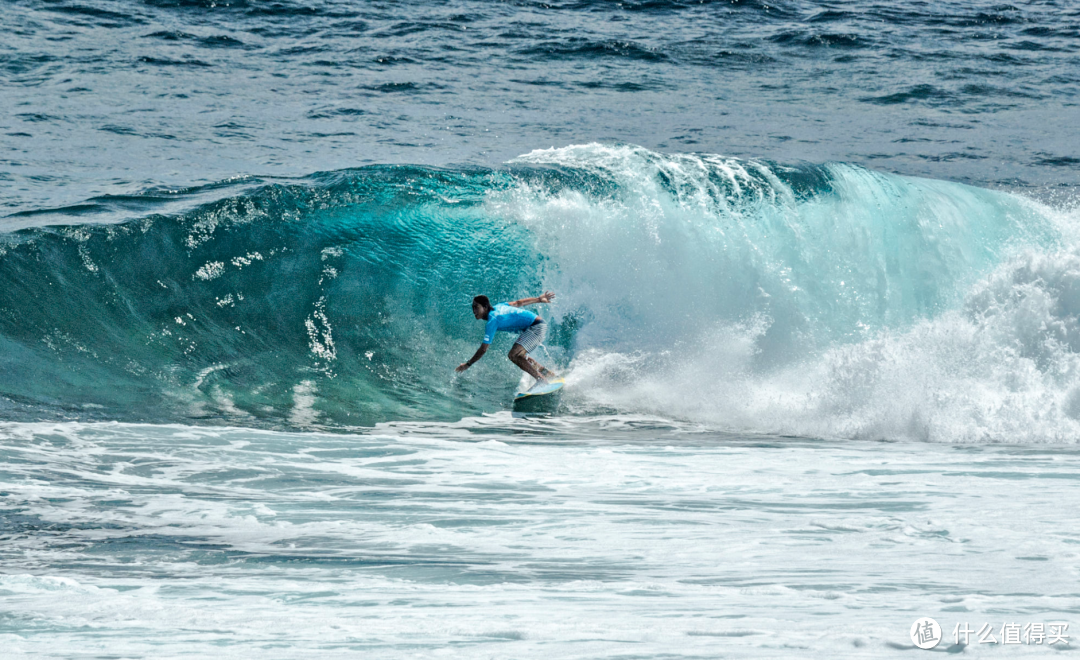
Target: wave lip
828,252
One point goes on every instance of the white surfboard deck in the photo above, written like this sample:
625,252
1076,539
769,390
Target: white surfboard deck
553,385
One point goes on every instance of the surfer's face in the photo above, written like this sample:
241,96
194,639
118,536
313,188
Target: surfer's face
479,311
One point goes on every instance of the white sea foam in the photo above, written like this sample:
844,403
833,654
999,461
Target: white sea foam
1004,368
861,306
579,538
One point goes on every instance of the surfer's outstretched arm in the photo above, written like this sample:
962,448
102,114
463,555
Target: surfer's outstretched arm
545,297
468,363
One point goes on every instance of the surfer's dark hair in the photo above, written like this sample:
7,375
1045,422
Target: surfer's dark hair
482,301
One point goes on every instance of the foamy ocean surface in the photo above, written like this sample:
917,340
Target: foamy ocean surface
818,277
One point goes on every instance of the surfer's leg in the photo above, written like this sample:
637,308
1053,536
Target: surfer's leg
520,357
548,373
528,340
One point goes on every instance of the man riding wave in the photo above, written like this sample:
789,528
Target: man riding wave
509,317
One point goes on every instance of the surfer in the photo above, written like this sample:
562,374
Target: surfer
509,317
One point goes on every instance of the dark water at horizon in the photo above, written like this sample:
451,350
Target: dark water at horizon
121,97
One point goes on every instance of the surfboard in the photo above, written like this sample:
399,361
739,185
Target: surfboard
553,385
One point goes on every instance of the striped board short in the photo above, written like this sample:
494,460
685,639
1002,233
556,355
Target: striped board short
532,336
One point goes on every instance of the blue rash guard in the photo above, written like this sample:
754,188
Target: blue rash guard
508,319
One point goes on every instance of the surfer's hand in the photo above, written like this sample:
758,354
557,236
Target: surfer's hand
462,367
547,297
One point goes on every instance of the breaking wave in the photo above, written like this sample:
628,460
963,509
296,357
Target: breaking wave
823,300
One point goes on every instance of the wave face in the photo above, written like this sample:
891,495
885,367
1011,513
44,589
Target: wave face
823,300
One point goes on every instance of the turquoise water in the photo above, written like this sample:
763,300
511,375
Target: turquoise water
343,299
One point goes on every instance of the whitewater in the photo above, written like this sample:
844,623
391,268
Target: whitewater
818,311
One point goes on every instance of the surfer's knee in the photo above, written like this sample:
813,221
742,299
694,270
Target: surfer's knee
516,351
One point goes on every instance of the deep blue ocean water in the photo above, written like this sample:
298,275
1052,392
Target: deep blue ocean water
124,97
818,277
